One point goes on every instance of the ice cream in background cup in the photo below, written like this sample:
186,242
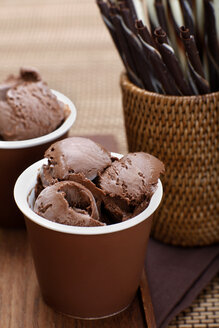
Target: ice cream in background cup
86,272
16,155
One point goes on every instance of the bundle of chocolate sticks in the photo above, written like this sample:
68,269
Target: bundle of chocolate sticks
167,46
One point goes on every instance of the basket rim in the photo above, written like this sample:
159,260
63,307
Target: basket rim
125,82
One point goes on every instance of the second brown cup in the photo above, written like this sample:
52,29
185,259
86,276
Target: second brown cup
15,156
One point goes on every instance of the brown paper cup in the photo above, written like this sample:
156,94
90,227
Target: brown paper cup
183,133
15,156
86,272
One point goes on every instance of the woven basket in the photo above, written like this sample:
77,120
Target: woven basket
183,133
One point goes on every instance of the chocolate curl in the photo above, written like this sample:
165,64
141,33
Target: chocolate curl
161,15
212,44
160,35
194,61
160,69
171,61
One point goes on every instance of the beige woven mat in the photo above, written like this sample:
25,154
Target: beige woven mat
67,41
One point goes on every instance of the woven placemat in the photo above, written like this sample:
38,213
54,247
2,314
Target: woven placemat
69,44
204,311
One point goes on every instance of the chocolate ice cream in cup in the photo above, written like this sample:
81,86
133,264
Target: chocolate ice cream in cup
16,155
86,272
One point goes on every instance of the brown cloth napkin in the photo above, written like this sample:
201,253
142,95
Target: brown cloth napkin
176,275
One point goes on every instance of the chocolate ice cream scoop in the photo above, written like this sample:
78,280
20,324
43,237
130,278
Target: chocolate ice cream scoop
68,202
130,183
28,108
120,188
73,156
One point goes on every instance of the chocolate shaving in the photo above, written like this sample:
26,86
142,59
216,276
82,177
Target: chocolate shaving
30,74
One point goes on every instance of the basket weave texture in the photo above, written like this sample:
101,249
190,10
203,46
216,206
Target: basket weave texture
183,133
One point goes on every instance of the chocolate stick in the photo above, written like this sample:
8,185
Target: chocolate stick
130,63
171,61
189,22
130,5
119,42
212,44
175,20
191,50
160,69
211,31
144,33
194,60
201,83
127,17
161,15
104,9
137,54
153,19
188,16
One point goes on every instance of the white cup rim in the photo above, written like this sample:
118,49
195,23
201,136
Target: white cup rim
27,181
50,136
